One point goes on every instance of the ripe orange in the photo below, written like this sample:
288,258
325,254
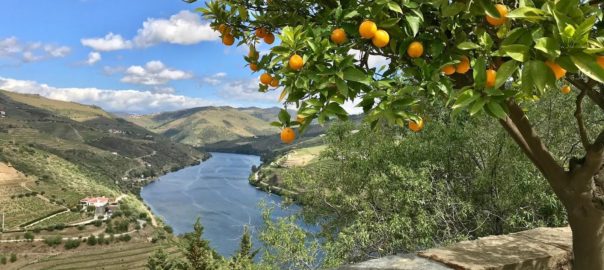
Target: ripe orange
288,135
491,75
367,29
275,82
416,126
415,49
503,13
266,78
222,28
269,38
448,69
565,90
228,39
600,60
463,66
296,62
338,36
254,67
557,69
380,39
261,32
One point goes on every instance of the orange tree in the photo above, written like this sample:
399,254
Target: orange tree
478,56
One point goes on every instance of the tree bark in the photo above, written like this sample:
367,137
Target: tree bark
587,225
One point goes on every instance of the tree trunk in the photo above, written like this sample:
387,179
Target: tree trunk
588,238
586,219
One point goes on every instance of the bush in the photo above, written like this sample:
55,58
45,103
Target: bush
53,240
81,227
72,244
29,236
168,229
101,239
142,215
2,260
98,223
91,241
60,227
36,230
125,238
13,257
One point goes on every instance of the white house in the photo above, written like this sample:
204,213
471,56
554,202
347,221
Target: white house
100,204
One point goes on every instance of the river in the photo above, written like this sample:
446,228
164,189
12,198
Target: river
217,191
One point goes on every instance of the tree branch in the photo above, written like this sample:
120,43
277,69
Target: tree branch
588,87
543,159
580,122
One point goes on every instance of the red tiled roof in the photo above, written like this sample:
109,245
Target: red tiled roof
95,200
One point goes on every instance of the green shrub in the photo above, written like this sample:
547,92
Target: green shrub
72,244
2,259
29,236
91,241
53,241
125,238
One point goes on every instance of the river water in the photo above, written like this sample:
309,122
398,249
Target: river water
218,192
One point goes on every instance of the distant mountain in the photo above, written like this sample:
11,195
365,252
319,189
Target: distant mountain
97,142
206,125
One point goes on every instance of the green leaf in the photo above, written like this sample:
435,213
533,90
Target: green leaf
489,8
539,74
516,51
453,9
504,72
528,13
548,45
276,124
480,73
465,98
413,22
355,75
284,117
342,86
467,45
351,15
588,65
395,7
496,109
477,106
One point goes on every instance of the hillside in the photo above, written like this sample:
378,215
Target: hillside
110,149
207,125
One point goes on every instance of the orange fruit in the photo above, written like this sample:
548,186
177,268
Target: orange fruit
275,82
416,126
222,28
261,32
491,75
503,13
296,62
448,69
380,39
338,36
600,60
557,69
228,39
415,49
565,90
288,135
266,78
367,29
463,66
254,67
269,38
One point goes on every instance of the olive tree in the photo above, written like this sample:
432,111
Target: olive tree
478,56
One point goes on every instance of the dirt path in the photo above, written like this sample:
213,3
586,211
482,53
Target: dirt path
64,238
141,163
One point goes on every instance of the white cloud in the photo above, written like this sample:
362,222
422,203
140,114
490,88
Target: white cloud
184,28
113,100
111,42
93,57
215,79
247,90
12,48
154,73
373,61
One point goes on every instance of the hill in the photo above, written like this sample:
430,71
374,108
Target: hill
208,125
87,136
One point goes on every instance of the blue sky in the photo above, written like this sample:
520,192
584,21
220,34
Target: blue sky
127,56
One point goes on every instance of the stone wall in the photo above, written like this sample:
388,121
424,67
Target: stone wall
541,248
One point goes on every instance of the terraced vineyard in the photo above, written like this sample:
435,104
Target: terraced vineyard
21,210
119,256
63,218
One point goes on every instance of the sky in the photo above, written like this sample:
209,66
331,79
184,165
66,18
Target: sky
130,56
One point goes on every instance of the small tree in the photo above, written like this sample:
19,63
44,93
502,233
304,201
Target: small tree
28,236
198,251
13,257
243,260
159,261
91,241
